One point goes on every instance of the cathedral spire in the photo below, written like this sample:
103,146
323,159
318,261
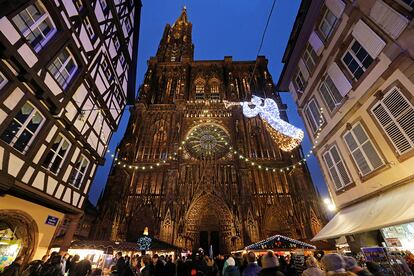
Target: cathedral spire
183,17
176,44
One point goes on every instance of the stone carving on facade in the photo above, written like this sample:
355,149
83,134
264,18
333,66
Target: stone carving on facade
209,189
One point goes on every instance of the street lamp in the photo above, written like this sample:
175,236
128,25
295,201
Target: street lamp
329,205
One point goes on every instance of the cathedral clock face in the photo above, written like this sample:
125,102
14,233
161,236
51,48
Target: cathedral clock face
207,141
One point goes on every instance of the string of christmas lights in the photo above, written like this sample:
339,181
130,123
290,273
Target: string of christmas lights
237,154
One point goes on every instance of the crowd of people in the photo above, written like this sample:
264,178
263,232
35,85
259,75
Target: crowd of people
197,264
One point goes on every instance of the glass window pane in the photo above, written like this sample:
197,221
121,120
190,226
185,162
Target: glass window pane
56,143
358,73
10,132
355,46
367,61
347,58
56,164
23,140
48,159
353,66
35,122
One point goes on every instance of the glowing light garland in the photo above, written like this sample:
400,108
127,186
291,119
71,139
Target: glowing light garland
144,243
286,135
236,153
283,242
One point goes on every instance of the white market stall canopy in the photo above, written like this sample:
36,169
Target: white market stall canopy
387,209
279,242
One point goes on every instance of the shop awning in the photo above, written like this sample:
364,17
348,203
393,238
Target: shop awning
390,208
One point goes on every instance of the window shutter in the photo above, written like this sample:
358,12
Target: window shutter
336,7
337,169
303,69
339,79
368,39
292,88
311,119
396,115
390,20
340,166
363,152
316,43
332,171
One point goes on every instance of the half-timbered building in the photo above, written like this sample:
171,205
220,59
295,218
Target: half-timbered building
67,70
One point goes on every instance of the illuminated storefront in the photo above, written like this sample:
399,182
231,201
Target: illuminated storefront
26,229
399,236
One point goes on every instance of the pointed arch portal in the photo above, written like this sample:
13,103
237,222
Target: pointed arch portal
209,221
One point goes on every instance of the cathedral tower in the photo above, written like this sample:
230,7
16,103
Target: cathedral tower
182,178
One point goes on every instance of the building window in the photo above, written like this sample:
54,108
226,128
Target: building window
122,60
89,28
330,93
300,82
199,89
36,25
78,4
356,59
23,128
408,4
363,152
104,5
63,68
336,166
214,90
57,154
3,80
119,96
116,43
327,24
127,25
106,69
78,173
313,115
310,57
395,114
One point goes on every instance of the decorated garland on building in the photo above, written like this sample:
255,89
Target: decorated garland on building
293,133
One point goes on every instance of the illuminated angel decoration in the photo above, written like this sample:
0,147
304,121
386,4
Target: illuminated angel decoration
286,135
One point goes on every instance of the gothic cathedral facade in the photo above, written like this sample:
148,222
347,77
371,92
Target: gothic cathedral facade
198,193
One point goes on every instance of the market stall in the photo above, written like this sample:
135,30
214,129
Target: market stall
282,246
279,243
102,253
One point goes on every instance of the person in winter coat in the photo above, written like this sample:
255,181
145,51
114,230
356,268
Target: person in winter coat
312,267
33,268
53,267
145,269
252,268
14,268
351,264
270,264
334,265
120,264
231,269
211,268
375,269
82,268
73,262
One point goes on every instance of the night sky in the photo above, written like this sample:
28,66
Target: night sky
220,28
